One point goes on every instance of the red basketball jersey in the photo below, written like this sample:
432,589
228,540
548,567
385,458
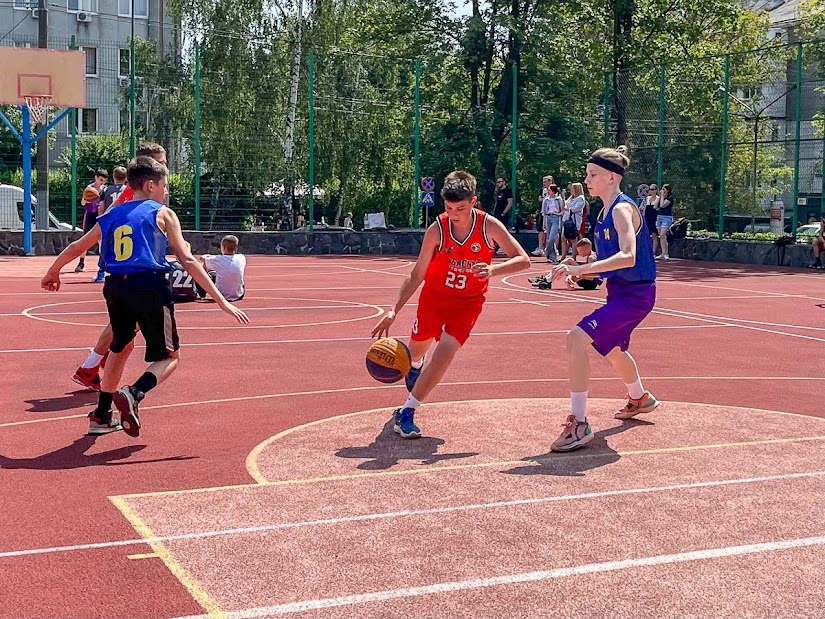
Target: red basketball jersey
451,269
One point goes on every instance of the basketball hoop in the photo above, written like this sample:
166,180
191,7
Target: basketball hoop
39,108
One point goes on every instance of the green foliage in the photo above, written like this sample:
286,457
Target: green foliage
754,236
95,152
11,151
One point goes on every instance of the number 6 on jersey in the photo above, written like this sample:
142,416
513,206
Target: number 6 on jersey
123,243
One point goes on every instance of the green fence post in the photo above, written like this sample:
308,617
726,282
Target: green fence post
514,145
311,80
795,218
724,158
416,199
73,121
197,178
606,134
660,141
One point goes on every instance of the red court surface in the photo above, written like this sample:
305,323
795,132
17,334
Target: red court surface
267,480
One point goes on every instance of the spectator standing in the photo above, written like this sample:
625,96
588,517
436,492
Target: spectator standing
650,211
664,219
504,201
552,208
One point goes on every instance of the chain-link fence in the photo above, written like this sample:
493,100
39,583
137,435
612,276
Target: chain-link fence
250,126
737,137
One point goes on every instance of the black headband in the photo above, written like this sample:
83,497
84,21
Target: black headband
606,164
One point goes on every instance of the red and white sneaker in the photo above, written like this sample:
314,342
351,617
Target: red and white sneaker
646,404
88,377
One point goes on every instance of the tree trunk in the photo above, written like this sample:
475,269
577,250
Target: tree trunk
623,11
339,199
289,134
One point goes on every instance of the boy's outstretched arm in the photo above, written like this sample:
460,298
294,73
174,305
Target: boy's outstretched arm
51,281
171,226
411,282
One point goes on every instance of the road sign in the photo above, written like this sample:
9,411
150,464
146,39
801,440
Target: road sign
643,191
427,185
428,198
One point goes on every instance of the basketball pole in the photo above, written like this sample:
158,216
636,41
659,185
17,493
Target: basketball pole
26,141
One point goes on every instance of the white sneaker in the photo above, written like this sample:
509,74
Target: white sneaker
666,257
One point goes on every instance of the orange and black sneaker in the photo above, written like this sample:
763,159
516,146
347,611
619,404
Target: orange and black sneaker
646,404
88,377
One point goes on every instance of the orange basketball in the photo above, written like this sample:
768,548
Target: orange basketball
90,193
388,360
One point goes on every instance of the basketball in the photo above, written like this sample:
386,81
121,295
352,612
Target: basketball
90,193
388,360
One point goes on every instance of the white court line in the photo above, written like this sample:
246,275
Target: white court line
504,381
512,579
727,322
212,307
406,513
342,339
778,294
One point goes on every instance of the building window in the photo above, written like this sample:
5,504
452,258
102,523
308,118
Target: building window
124,8
91,61
86,121
82,6
124,69
25,5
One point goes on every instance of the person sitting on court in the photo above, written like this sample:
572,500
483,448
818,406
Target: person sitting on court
589,281
226,270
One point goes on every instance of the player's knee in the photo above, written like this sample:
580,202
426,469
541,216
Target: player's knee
576,339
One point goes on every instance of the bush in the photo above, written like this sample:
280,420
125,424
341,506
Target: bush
757,236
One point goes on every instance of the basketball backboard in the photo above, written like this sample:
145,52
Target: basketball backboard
35,72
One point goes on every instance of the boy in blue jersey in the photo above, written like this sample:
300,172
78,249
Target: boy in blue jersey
134,239
630,270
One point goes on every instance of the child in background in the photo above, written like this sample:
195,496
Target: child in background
226,270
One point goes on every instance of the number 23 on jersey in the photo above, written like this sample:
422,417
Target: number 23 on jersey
458,282
123,243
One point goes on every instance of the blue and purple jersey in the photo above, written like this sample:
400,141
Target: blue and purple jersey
607,244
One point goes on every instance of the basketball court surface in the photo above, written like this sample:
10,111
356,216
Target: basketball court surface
268,481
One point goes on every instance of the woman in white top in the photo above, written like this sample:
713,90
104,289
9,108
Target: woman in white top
573,211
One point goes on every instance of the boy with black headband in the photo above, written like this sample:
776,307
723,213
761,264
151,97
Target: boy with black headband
630,271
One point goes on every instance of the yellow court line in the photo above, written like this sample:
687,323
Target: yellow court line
144,555
195,589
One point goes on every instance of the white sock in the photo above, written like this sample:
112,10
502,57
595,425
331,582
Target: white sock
93,360
411,403
635,390
578,402
418,364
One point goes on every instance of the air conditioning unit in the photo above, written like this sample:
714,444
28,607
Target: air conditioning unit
84,17
35,13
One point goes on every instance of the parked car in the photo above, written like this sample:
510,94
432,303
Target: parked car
757,228
808,231
11,210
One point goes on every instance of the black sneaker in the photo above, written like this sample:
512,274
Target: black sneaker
545,284
126,401
102,424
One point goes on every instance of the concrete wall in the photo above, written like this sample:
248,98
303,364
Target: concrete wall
408,242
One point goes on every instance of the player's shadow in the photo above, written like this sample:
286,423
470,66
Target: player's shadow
388,449
575,464
74,457
67,401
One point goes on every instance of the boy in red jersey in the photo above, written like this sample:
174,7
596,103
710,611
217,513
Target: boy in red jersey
455,266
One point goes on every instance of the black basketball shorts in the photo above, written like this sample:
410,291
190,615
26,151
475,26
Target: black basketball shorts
142,300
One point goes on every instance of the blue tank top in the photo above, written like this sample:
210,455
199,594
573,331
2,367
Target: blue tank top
131,241
607,244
